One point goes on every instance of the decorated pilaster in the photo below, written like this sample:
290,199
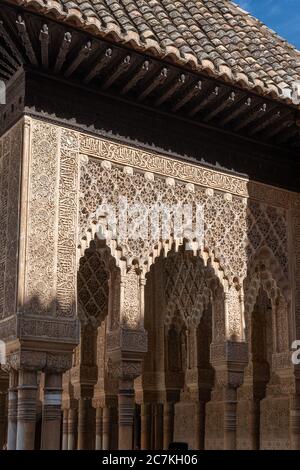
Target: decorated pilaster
229,360
126,346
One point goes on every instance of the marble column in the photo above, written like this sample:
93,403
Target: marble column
146,426
51,427
200,425
72,428
82,423
137,428
158,417
27,404
65,429
2,419
295,422
12,410
99,428
229,360
168,424
230,414
126,414
106,423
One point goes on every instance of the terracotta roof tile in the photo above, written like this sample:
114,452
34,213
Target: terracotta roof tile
212,36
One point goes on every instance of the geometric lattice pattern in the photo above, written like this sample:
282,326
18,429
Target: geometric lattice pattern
267,226
233,227
186,288
92,288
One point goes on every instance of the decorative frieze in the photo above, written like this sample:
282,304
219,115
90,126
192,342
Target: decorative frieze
188,172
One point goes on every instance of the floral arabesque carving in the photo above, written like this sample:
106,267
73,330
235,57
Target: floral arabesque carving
223,243
10,171
231,236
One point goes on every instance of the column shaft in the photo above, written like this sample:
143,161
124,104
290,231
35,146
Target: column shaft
230,408
86,424
145,426
2,419
168,424
51,427
200,425
295,423
126,414
12,410
158,426
27,402
99,428
106,423
72,427
65,429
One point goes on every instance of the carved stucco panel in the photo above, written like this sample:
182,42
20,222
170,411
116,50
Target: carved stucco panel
10,169
130,300
51,264
295,229
67,224
42,218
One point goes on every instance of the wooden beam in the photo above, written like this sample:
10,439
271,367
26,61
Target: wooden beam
63,51
118,71
255,113
287,135
137,77
187,97
158,80
26,41
245,106
212,94
278,128
103,62
44,39
4,34
8,67
267,121
81,56
227,102
4,74
8,57
175,86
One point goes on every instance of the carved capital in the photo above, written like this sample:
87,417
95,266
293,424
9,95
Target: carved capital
125,369
59,362
126,340
229,360
29,360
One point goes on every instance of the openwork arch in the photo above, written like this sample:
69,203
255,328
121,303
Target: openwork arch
265,273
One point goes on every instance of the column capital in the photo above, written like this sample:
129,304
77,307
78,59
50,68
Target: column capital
126,349
125,369
230,358
127,340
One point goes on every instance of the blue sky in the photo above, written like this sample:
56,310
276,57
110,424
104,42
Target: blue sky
283,16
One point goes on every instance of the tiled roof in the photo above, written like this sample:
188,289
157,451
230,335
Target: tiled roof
215,37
